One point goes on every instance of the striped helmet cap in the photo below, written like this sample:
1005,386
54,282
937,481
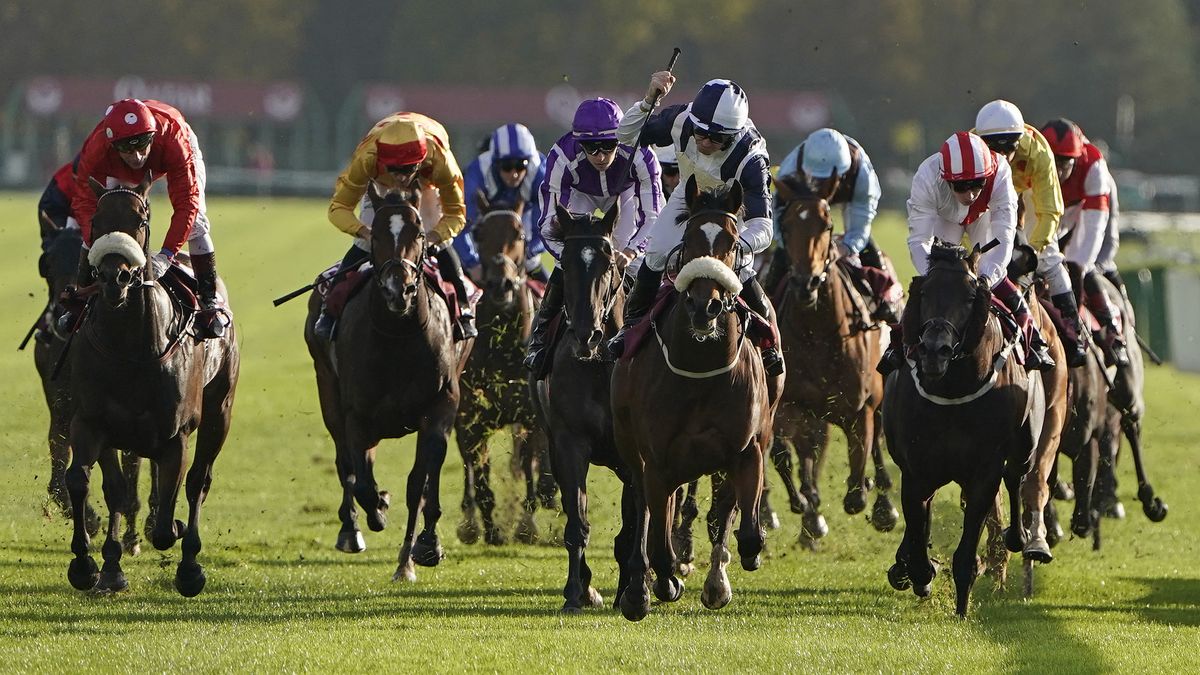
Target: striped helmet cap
966,157
720,107
513,141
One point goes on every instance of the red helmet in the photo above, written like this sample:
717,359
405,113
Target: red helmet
966,157
1064,136
128,117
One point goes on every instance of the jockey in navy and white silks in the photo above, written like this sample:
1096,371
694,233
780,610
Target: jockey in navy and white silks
510,170
587,170
716,143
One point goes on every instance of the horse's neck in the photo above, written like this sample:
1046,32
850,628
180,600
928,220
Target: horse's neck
385,321
142,326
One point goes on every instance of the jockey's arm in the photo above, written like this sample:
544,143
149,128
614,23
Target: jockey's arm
923,220
1106,260
349,190
758,229
1047,193
636,129
550,193
449,181
649,196
864,205
1002,226
464,244
183,188
1093,218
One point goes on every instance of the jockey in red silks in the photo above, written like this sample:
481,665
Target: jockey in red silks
54,205
967,188
1088,189
139,137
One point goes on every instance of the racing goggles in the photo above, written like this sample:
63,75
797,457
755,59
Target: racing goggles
720,139
134,143
598,147
513,164
961,186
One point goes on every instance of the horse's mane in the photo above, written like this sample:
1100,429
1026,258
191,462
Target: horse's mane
946,252
709,200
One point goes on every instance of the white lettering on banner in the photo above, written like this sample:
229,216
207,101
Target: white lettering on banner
43,96
383,101
192,98
282,101
808,112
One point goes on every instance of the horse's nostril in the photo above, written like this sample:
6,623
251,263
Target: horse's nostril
714,307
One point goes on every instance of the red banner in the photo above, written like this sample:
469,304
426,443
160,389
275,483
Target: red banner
279,101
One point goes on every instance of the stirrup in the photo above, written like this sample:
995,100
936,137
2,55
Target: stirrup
464,328
891,360
211,322
616,344
1038,358
772,361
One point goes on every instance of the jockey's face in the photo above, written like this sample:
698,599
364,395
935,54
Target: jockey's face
512,171
1065,166
403,175
823,188
600,154
967,191
135,150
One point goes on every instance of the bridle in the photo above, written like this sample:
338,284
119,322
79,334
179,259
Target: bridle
612,292
128,277
821,278
508,263
743,256
957,349
383,269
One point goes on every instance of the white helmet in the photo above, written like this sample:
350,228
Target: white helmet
999,117
826,153
720,107
666,154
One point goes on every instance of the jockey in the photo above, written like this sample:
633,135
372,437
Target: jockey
837,169
404,151
715,141
1087,187
139,137
669,164
508,171
1005,132
967,187
54,207
587,170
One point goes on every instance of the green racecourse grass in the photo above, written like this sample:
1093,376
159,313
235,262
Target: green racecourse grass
279,597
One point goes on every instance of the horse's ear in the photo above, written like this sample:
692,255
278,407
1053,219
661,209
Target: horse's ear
143,187
373,195
563,215
610,217
413,197
97,186
482,205
733,200
784,187
519,206
691,192
973,330
973,258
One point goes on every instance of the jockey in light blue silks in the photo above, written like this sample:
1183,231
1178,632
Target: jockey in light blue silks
510,170
715,142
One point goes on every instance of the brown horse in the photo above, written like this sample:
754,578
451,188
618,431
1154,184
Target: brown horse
831,356
140,382
694,402
495,384
393,369
963,411
573,398
57,266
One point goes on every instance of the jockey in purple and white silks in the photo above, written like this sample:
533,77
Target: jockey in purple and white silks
510,170
715,142
587,170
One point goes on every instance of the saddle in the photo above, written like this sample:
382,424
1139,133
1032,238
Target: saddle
757,328
336,293
538,288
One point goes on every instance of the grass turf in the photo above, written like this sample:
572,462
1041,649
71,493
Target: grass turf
279,597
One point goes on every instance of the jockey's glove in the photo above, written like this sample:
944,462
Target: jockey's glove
159,263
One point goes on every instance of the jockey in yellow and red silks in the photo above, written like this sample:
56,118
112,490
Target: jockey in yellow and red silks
404,150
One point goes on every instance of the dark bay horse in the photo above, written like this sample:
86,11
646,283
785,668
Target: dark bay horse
58,267
140,382
393,370
694,402
831,357
963,412
495,385
573,397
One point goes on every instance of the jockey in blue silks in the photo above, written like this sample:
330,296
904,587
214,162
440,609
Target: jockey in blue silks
509,170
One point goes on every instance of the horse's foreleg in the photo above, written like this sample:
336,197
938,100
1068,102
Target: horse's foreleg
859,434
82,572
686,511
539,443
361,449
169,477
781,457
131,468
995,549
635,601
660,501
746,477
913,567
484,496
112,578
189,575
1083,474
811,442
432,440
884,515
571,469
717,591
350,538
468,441
980,496
525,449
1152,505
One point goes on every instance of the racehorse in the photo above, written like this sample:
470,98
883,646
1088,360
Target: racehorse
573,397
57,266
720,413
140,382
393,369
495,384
831,355
962,411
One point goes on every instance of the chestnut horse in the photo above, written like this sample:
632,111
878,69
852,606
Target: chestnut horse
495,384
831,357
695,401
573,398
392,370
963,412
140,382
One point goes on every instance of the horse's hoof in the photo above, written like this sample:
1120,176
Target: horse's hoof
634,610
884,516
376,520
1062,491
1014,539
716,594
751,563
189,579
769,519
797,506
131,546
1115,510
1054,530
592,598
351,542
405,572
492,536
814,526
527,530
923,590
385,500
427,552
468,531
570,609
113,583
83,574
897,576
684,569
855,501
1152,506
668,590
1038,550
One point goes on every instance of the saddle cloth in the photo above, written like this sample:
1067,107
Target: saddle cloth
336,294
758,328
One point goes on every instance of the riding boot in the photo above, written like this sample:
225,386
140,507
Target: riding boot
325,321
452,271
213,317
637,303
71,302
1115,352
752,293
777,269
1072,331
1114,277
881,282
538,273
905,333
550,307
1038,356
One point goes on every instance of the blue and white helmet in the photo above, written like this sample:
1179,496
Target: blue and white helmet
513,141
826,153
720,107
666,155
